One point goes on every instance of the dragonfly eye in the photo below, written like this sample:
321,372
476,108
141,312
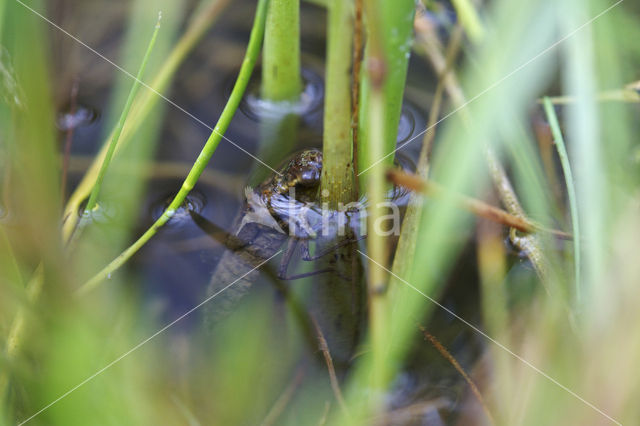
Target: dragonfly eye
310,176
310,168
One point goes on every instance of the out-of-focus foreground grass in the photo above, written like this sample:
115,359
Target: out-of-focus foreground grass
585,336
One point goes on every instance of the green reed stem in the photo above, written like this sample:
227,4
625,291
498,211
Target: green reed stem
404,255
337,146
281,78
571,189
281,84
17,330
403,258
13,275
389,31
469,19
93,198
140,111
377,248
2,13
389,35
251,56
394,27
8,259
142,107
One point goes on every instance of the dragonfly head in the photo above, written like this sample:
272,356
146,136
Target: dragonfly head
288,195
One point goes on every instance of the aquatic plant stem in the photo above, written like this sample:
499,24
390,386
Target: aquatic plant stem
470,20
508,197
393,30
337,171
19,324
93,198
571,191
284,399
281,78
454,362
358,52
377,248
11,267
492,270
403,258
281,85
251,56
143,105
389,34
376,188
13,274
355,83
68,141
140,110
2,13
472,205
333,378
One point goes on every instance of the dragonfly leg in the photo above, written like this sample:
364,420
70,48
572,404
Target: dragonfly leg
286,260
233,242
218,234
286,257
306,254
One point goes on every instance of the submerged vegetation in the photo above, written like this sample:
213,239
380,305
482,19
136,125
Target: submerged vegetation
443,233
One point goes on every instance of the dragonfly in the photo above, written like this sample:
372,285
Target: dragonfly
280,210
282,214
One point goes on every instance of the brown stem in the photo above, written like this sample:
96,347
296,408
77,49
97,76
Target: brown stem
333,378
473,205
69,140
284,399
445,353
429,45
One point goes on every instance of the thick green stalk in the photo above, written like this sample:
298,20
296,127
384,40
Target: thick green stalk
395,28
337,170
2,9
253,49
389,26
389,34
403,258
93,198
571,191
281,79
377,248
281,84
141,109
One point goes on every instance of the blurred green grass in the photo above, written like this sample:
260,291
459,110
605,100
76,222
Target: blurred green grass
592,348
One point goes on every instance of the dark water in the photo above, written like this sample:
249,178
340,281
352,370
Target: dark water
176,266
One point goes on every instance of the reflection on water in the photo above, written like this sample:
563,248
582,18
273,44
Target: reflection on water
308,107
74,117
195,202
176,266
407,126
